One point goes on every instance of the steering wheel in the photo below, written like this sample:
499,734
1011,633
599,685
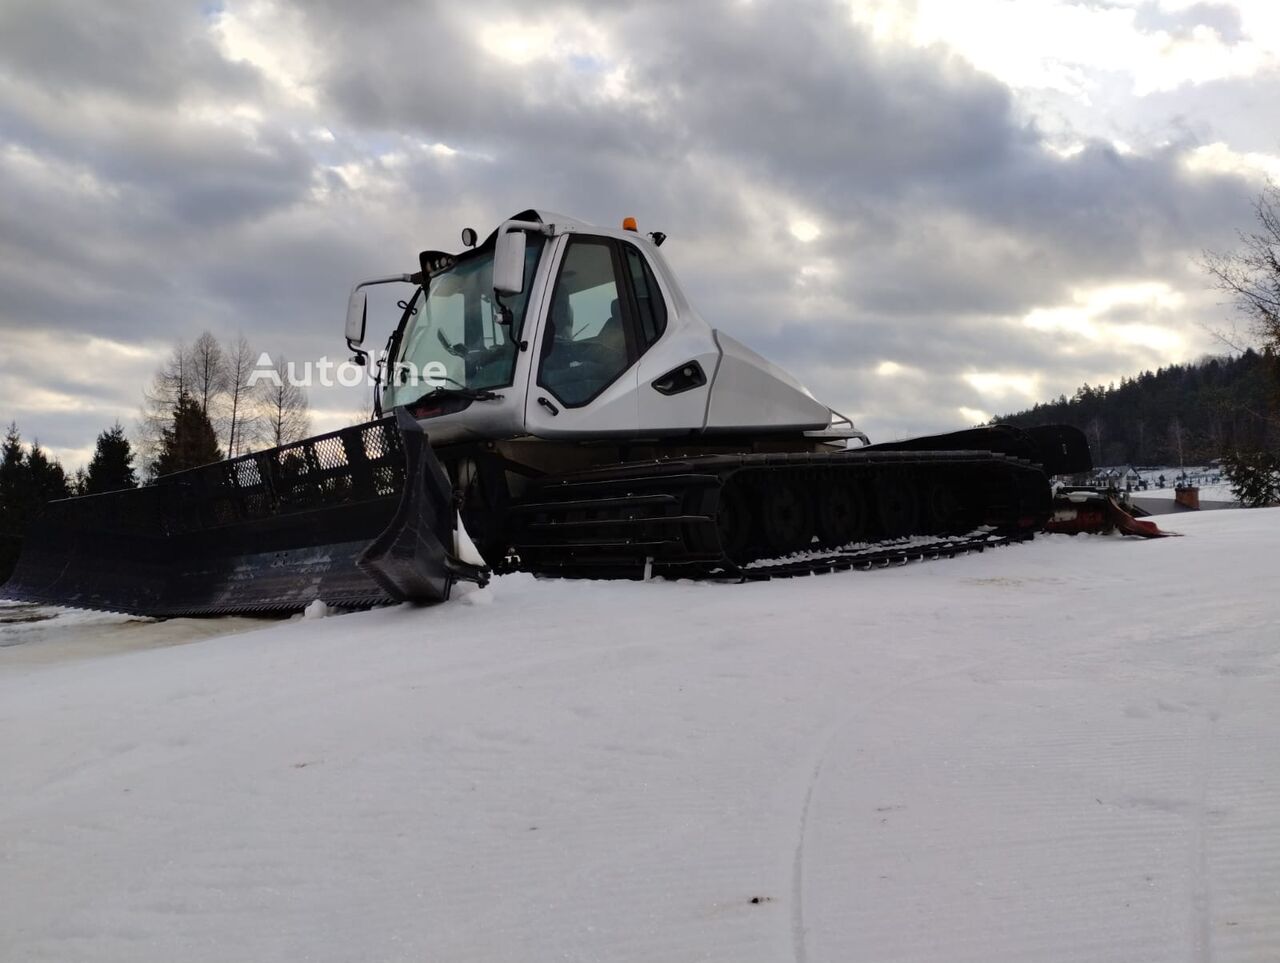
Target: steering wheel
457,350
465,353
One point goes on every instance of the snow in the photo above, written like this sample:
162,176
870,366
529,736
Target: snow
1057,751
1200,476
35,635
316,609
1219,493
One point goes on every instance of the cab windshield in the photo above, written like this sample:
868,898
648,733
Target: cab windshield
454,337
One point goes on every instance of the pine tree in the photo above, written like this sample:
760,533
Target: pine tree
48,479
111,468
1209,408
15,483
28,479
171,381
1254,477
189,441
217,377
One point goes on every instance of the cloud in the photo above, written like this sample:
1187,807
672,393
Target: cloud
1065,45
144,51
877,202
1189,21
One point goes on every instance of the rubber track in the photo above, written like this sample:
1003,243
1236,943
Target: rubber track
662,516
879,555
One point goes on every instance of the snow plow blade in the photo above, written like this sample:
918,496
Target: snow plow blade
357,517
1080,510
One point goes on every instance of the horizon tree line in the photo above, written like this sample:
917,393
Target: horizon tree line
1179,414
202,406
29,478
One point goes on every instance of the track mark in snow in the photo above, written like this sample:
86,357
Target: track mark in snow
1202,894
1201,887
797,872
828,740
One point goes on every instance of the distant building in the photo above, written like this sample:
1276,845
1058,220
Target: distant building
1115,476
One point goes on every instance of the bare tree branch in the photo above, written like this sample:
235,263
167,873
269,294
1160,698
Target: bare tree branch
208,372
1251,273
283,408
242,413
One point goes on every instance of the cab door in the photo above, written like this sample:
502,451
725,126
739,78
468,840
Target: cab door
585,376
679,354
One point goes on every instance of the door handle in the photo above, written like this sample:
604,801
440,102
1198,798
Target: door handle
549,406
686,377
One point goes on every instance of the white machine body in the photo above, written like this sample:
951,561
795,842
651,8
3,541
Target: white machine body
601,342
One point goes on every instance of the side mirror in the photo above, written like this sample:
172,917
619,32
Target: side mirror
357,316
508,262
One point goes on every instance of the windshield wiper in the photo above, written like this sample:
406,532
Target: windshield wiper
462,391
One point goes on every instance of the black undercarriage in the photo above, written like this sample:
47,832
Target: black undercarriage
366,515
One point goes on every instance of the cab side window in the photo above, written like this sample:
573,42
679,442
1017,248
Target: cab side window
651,311
588,341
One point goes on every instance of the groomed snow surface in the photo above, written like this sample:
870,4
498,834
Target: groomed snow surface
1065,750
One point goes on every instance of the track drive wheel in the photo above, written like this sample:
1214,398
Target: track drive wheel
841,513
785,520
943,508
897,504
733,524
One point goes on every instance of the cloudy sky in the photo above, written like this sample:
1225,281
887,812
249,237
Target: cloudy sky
930,211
